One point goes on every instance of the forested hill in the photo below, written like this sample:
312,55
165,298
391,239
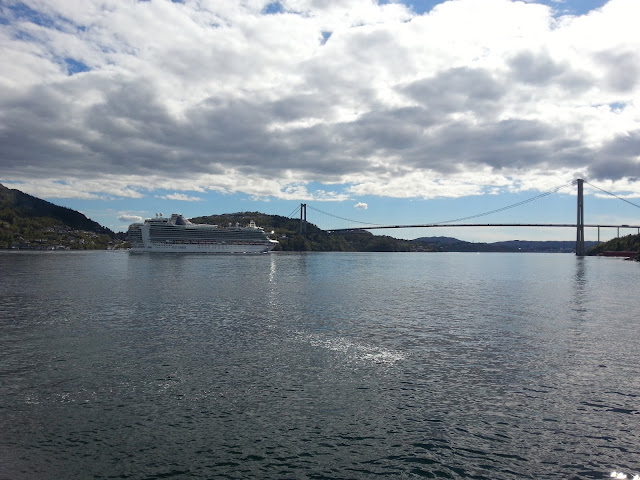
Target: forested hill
287,232
628,243
27,206
31,222
448,244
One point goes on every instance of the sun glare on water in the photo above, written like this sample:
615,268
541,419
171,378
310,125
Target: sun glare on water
623,476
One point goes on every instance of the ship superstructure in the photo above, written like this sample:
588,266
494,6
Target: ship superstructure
177,234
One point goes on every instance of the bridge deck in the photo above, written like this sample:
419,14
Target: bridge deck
434,225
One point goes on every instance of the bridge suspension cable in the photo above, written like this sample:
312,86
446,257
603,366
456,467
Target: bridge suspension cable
537,197
457,221
612,194
295,212
346,219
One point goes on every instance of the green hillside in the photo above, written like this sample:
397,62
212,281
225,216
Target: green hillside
628,243
32,223
448,244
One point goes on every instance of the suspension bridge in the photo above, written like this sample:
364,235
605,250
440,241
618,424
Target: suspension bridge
579,224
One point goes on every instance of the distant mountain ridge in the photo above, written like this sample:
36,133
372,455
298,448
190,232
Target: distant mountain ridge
30,223
28,206
449,244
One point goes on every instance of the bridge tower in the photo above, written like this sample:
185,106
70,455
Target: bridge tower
303,219
580,250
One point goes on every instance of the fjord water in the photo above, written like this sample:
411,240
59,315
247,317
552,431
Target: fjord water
324,365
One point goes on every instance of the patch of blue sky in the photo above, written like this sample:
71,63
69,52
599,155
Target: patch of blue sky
325,36
567,7
22,12
574,7
23,36
75,66
418,6
273,8
17,184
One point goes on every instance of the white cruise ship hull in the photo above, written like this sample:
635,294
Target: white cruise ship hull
215,248
178,235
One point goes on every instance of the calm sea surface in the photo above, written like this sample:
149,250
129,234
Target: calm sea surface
320,366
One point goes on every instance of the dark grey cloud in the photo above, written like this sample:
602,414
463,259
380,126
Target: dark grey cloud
541,70
459,145
131,133
394,130
459,89
514,145
622,69
37,130
619,158
290,108
537,69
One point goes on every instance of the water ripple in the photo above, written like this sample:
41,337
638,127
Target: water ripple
318,366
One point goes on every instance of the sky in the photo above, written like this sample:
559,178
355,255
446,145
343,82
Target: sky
378,112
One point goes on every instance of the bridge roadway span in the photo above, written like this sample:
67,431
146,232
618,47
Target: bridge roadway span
434,225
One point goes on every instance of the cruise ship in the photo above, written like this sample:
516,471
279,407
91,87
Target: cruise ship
179,235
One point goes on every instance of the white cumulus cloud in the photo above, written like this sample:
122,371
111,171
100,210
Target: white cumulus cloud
361,206
180,197
130,218
115,99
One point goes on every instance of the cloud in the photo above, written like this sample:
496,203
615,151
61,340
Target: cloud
361,206
130,218
181,197
354,96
